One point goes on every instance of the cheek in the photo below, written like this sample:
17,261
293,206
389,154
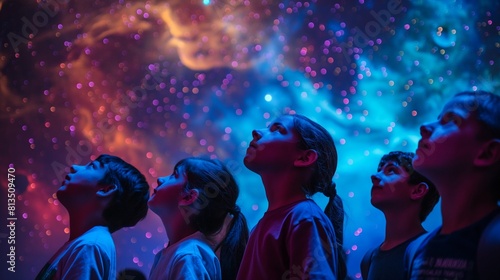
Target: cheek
443,134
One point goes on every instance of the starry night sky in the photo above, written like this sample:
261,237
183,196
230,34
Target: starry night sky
157,81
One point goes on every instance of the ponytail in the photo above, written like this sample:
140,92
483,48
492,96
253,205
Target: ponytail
220,219
233,245
334,210
315,137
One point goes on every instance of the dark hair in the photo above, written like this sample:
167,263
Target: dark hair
314,136
486,109
218,193
404,159
130,203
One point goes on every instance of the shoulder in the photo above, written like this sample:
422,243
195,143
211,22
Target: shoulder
366,261
303,217
96,239
489,250
367,257
308,221
193,248
306,211
419,242
369,254
190,259
414,247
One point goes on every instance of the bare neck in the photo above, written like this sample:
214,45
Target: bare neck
460,211
177,230
401,226
80,222
282,189
464,199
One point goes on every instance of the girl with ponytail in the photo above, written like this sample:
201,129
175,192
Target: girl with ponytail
197,205
295,239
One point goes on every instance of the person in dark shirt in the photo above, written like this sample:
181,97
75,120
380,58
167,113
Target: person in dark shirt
406,198
460,153
295,158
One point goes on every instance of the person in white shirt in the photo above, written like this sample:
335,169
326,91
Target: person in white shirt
197,205
101,197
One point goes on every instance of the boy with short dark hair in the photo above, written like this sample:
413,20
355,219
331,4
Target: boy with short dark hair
460,153
101,197
406,198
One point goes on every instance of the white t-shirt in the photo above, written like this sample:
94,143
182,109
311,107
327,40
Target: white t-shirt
90,256
190,258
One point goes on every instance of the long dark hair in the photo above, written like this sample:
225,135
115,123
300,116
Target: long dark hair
218,192
314,136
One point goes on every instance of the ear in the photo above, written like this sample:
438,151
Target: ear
489,154
107,191
419,191
189,197
306,158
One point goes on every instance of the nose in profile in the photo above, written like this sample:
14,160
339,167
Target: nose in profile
256,134
426,130
160,181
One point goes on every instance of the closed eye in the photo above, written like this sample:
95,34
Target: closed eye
175,174
392,169
278,127
450,118
90,165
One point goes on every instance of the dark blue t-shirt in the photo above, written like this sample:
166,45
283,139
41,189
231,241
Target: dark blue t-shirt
385,264
450,256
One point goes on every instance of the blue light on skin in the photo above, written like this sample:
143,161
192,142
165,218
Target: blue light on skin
268,97
206,2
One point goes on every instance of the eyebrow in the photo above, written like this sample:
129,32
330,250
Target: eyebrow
389,164
276,123
97,163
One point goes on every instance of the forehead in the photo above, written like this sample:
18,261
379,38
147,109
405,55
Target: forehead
286,121
391,163
98,164
386,163
464,105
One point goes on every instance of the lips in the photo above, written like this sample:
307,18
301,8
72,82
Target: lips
253,145
423,145
66,179
158,184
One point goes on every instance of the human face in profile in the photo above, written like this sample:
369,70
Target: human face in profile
274,147
81,183
165,197
449,144
390,186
